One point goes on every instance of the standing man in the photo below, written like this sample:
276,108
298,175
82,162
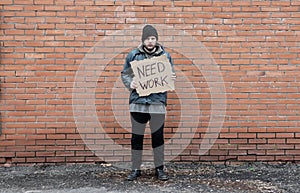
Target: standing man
151,108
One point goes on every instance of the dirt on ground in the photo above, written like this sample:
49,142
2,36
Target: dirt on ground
184,177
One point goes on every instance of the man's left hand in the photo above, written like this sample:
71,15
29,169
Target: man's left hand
173,77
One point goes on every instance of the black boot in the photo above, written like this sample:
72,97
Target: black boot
161,175
134,175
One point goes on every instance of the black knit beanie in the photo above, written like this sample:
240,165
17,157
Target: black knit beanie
149,30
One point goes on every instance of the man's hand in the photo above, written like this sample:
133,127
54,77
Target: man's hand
133,84
173,77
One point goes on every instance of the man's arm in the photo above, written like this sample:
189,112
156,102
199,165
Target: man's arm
172,65
127,72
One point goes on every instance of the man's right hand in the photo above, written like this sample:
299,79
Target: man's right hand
133,84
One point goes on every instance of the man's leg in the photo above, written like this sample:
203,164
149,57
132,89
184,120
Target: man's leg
138,122
157,134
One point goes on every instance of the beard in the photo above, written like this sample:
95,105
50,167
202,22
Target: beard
149,49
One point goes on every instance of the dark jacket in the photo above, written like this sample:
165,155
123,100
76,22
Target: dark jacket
127,76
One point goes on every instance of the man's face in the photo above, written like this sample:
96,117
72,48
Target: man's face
150,42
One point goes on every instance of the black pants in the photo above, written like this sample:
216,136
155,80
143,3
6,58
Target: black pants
156,123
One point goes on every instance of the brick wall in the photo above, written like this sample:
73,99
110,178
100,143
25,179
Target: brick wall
254,50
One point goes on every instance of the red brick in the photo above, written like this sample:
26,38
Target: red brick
54,7
6,2
247,158
23,2
43,2
265,158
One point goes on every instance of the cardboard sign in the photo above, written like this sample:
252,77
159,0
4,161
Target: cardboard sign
153,75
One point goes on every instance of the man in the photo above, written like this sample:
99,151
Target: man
151,108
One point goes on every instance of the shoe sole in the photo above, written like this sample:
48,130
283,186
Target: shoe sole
132,179
163,179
